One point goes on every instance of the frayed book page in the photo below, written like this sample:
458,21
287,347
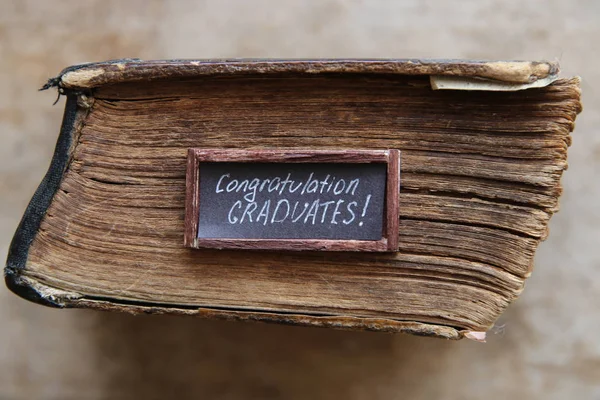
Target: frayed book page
439,82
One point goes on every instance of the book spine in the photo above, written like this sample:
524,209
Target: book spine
36,210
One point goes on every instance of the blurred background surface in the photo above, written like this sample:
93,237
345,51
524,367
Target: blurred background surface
546,346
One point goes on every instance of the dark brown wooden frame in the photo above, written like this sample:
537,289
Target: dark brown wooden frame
388,242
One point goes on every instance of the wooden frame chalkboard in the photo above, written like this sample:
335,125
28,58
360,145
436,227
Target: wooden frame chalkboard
388,241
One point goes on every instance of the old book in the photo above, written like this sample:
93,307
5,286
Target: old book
481,146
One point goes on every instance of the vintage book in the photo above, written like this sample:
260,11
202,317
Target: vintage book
441,177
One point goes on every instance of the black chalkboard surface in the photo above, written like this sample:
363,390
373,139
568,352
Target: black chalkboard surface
292,199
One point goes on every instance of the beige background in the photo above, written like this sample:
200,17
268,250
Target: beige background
547,345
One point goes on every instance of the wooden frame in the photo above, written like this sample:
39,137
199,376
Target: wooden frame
388,242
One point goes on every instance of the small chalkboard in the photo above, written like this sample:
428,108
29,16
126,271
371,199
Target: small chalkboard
292,199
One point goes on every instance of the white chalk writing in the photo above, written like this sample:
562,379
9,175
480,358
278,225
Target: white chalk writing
288,205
